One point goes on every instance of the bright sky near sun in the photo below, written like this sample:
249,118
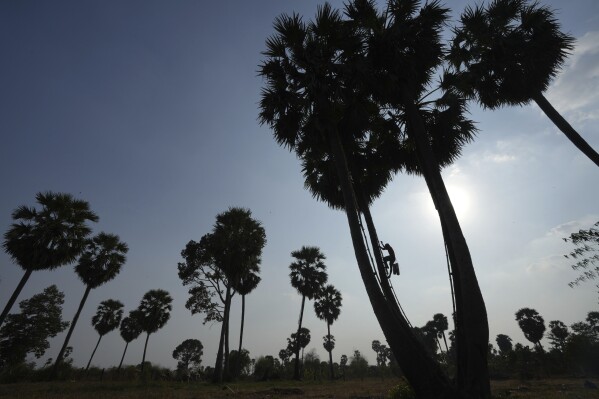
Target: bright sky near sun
148,110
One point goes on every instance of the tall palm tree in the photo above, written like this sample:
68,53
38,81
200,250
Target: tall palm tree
154,312
507,53
100,262
308,276
107,318
247,283
236,245
130,329
313,71
46,238
404,52
328,307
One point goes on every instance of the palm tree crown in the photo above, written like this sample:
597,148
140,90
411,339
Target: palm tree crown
102,259
130,328
51,236
308,271
507,52
108,316
154,310
328,304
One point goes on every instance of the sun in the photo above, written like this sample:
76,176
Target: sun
460,199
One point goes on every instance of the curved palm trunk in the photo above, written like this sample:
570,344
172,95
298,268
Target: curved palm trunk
218,366
425,375
93,353
445,340
332,371
566,128
238,365
143,359
122,358
15,295
473,329
66,341
296,369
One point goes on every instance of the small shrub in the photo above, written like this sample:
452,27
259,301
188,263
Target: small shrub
403,390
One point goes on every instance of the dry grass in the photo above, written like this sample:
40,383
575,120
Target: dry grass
369,388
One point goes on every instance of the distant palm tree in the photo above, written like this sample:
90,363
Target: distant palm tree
507,53
441,325
100,262
504,343
247,284
308,276
154,312
107,318
130,330
328,307
532,325
47,238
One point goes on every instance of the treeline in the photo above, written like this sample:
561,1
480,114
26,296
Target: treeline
54,234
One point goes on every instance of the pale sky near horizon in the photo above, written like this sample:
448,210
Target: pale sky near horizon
148,110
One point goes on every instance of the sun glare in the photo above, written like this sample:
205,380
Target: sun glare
460,199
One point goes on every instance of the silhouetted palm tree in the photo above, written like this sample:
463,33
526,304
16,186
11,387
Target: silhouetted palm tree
107,318
247,284
403,53
308,275
130,329
328,307
100,262
441,325
532,325
312,71
504,343
507,53
235,247
153,313
46,238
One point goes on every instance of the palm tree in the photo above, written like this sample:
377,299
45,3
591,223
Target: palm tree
100,262
311,73
130,330
247,284
235,247
46,238
504,343
308,275
107,318
532,325
328,307
154,311
507,53
404,51
441,325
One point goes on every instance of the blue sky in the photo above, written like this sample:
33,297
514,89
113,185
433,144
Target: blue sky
148,110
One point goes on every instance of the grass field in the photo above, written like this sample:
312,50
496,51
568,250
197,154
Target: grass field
369,388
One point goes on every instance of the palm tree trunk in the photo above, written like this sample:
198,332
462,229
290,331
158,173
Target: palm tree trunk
143,359
566,128
238,365
15,295
68,337
218,366
472,315
226,374
332,371
296,369
123,357
93,353
425,375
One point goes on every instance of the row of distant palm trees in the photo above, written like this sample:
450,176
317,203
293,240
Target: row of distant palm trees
350,93
56,234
